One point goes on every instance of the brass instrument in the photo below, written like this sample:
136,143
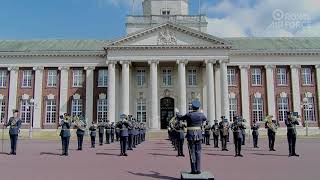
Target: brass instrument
225,129
78,123
272,126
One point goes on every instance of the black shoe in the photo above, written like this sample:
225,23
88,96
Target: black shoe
289,155
125,154
198,172
273,150
226,150
240,155
182,155
236,155
121,154
66,154
193,172
297,155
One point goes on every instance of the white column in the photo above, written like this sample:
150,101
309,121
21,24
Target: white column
13,87
182,85
224,89
295,81
217,91
245,99
63,103
270,90
154,120
89,94
111,91
210,91
125,87
318,85
37,111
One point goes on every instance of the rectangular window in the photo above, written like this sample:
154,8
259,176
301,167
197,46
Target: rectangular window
26,78
103,78
25,111
306,76
141,77
231,76
257,109
192,77
282,76
283,108
51,110
232,108
3,78
77,78
2,109
256,77
167,77
76,107
308,110
52,78
141,110
102,111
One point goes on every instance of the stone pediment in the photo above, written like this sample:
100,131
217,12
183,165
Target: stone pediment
169,34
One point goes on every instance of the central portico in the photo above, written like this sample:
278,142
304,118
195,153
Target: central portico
165,52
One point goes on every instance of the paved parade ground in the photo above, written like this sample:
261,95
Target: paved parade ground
41,160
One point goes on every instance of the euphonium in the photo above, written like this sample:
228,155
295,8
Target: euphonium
271,125
225,130
78,123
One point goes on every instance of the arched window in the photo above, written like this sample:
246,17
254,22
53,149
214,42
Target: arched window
102,107
257,107
141,110
308,107
232,106
51,109
76,105
283,106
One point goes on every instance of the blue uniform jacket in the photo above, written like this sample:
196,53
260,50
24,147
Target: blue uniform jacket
93,130
123,128
14,128
65,129
194,119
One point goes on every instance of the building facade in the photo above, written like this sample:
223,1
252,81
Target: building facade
164,62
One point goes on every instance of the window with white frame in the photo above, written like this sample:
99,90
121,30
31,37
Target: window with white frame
167,77
306,76
102,109
231,73
256,77
51,111
141,110
2,109
76,107
257,109
25,111
3,78
232,107
282,76
52,78
190,105
103,78
26,78
192,77
283,108
141,77
308,110
77,78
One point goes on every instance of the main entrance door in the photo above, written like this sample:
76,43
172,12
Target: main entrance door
166,111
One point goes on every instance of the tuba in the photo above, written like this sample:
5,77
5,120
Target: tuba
272,126
225,129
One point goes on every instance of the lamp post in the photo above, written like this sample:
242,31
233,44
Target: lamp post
306,104
31,105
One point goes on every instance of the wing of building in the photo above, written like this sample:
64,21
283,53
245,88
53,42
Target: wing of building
164,62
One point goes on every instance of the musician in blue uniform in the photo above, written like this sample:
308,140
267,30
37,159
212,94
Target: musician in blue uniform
80,125
108,132
291,123
195,120
179,126
130,133
101,131
271,126
237,127
123,126
15,125
255,133
207,129
224,133
215,133
65,134
93,134
112,132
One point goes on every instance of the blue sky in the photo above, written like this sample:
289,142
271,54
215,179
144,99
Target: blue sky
105,19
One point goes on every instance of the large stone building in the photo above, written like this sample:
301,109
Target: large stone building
164,62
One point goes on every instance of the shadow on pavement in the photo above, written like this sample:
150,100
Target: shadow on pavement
4,153
158,154
225,155
264,154
50,153
153,174
107,154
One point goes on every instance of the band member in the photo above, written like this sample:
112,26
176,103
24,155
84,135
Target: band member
112,132
80,125
255,133
15,125
108,131
179,126
172,123
117,134
215,133
195,120
203,141
93,134
144,131
207,129
243,132
123,126
291,123
272,129
135,133
130,133
101,131
65,134
224,132
237,127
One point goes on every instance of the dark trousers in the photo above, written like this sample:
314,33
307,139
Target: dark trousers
271,137
180,143
195,155
244,139
255,140
93,141
224,142
80,141
207,136
117,136
130,141
123,144
134,143
292,143
215,141
13,140
112,137
100,139
65,145
107,138
237,145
